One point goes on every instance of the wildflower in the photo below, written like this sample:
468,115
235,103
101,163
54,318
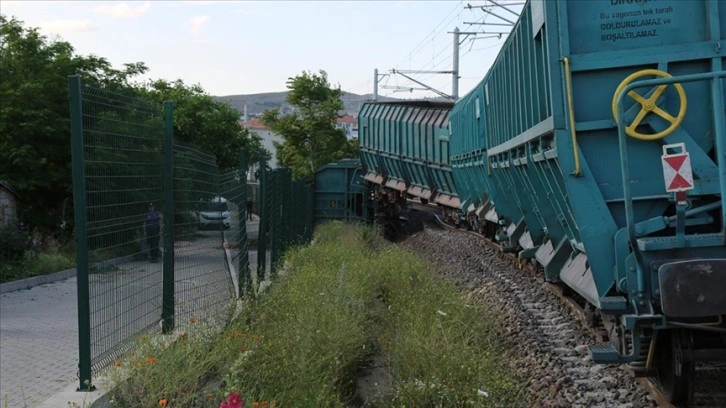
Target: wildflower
182,335
118,363
223,405
255,404
163,402
255,337
133,353
234,400
151,360
264,403
192,319
243,349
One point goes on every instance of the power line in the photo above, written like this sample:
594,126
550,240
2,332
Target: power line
433,33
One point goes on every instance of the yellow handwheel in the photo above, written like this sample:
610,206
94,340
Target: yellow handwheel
649,105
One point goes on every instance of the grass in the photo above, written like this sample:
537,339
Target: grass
35,264
344,304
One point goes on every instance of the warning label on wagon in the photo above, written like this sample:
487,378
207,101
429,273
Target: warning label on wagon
622,25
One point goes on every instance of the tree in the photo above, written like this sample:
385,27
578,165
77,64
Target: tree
310,137
208,124
35,148
35,152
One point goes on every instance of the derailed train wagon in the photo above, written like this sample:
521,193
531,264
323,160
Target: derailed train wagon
597,141
404,147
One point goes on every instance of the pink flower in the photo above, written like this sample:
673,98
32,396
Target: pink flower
223,405
234,400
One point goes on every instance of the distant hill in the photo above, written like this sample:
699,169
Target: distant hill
257,103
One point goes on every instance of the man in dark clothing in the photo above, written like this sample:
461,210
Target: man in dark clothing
249,209
152,229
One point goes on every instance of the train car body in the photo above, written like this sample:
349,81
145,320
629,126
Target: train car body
340,193
404,148
598,137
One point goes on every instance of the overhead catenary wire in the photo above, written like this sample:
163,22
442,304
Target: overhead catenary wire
441,60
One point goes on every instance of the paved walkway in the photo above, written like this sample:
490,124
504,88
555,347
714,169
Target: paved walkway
39,344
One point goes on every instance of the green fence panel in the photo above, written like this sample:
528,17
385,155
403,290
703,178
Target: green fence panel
244,214
118,173
140,197
264,226
276,219
205,202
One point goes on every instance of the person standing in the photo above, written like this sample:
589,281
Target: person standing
152,230
249,209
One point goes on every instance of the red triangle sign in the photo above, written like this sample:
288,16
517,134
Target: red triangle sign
676,161
679,182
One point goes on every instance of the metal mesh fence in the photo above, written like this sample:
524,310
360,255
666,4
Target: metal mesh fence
123,175
140,199
203,212
161,233
287,214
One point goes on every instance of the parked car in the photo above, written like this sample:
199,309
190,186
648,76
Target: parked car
214,214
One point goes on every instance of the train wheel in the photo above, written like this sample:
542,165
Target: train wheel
676,369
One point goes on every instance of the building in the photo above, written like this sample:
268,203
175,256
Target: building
267,136
8,204
350,125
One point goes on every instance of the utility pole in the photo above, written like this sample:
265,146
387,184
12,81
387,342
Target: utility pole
455,71
507,21
375,85
376,77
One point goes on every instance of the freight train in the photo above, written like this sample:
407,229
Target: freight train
595,148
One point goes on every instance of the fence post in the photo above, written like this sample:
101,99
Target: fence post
263,225
309,212
81,230
275,218
167,303
287,209
244,281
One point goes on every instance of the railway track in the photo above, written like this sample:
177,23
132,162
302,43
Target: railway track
710,381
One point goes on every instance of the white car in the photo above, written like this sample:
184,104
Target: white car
214,214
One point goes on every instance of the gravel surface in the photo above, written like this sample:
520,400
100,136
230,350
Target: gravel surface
549,345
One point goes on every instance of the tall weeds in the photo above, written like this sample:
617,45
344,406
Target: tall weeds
342,305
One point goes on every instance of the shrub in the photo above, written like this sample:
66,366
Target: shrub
14,242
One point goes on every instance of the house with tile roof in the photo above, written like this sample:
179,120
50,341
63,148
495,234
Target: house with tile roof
349,124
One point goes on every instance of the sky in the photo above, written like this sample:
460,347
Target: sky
247,47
